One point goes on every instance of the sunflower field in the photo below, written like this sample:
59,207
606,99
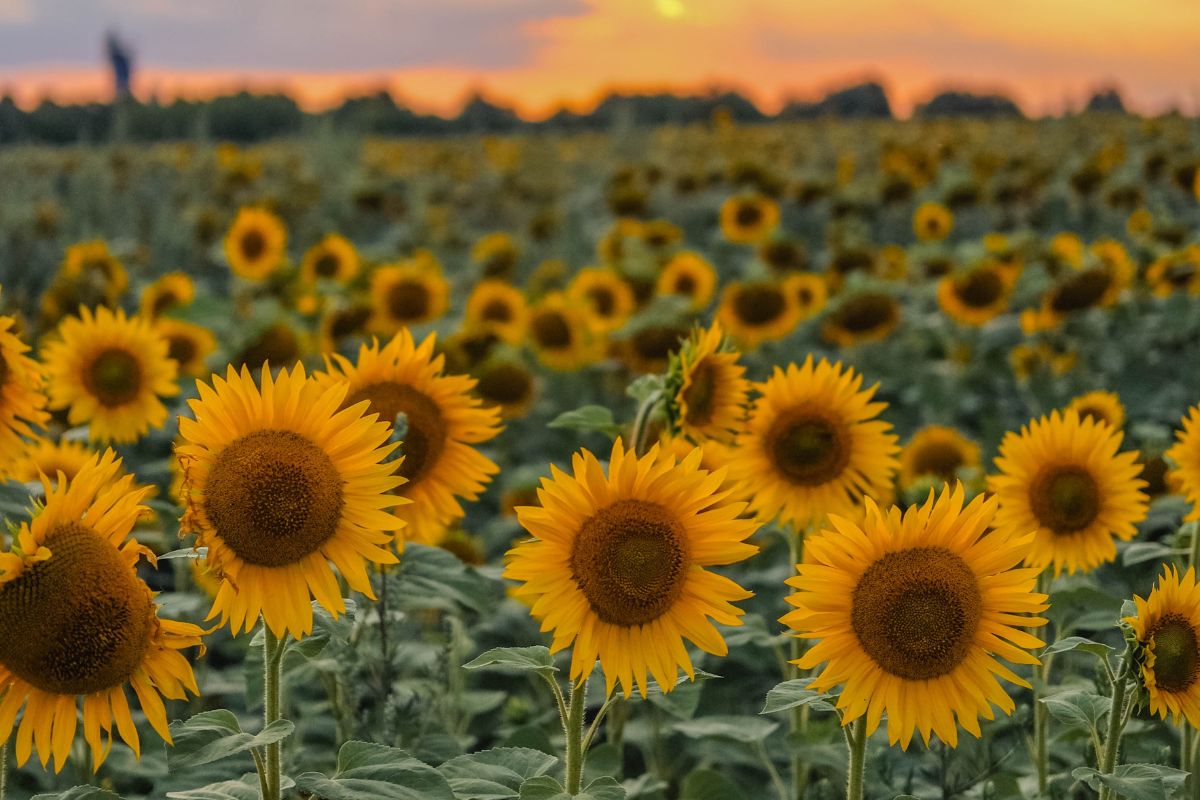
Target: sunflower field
711,462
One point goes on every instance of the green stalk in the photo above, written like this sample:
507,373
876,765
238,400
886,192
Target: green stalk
856,741
573,730
641,423
798,717
3,769
1041,717
1193,764
1116,721
273,709
1194,551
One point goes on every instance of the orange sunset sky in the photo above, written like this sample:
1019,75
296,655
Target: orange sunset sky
541,54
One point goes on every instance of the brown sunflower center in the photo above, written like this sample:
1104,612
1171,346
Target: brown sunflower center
551,331
253,245
866,313
1176,653
981,288
164,302
408,299
603,300
114,377
1081,291
277,345
327,266
79,622
748,215
759,305
699,394
425,437
1065,499
915,612
941,459
274,497
497,310
685,284
181,349
348,321
506,384
808,447
630,560
1094,413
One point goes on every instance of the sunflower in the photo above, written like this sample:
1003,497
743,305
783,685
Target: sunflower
976,296
690,276
939,452
912,613
22,402
279,482
617,564
714,455
47,457
1091,287
932,222
278,343
343,322
1185,455
334,258
171,291
409,293
606,294
867,316
443,420
1172,273
649,348
188,345
757,312
712,393
810,290
497,255
560,333
506,384
1101,406
749,219
76,622
1167,627
110,371
256,243
813,445
1062,477
498,307
783,255
89,275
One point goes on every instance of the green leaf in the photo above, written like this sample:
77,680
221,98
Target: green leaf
1136,781
746,729
213,735
79,793
536,658
430,577
794,693
187,552
1077,709
245,789
1141,552
642,388
543,787
707,784
367,771
605,788
495,774
1098,649
587,418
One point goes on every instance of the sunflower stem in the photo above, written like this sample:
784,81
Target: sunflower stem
573,729
3,769
641,422
1116,721
1192,767
1041,718
273,708
798,720
857,766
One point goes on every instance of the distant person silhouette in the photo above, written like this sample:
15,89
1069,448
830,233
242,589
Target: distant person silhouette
121,59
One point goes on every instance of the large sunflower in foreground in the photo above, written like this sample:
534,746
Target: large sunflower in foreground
814,445
22,402
279,482
1062,477
256,243
443,420
76,623
912,613
713,393
1167,627
617,565
110,371
1185,454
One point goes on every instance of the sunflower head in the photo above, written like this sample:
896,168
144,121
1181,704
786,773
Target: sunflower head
507,384
939,452
409,293
911,613
749,219
171,291
607,295
561,334
334,258
932,222
256,244
810,290
867,316
1101,406
690,276
650,346
497,256
188,345
1185,456
711,392
22,402
498,307
976,296
617,565
1167,629
757,312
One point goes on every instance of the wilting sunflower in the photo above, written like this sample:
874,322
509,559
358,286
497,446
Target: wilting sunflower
409,293
814,445
712,392
932,222
499,307
912,613
560,333
939,452
256,243
976,296
334,258
757,312
506,384
1062,477
188,345
749,219
867,316
810,290
606,294
1101,406
76,623
279,482
617,564
110,371
171,291
1185,454
443,420
1167,627
22,402
688,275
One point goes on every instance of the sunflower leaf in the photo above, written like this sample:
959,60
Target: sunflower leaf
367,771
495,774
1082,710
536,658
707,784
245,789
214,735
745,729
794,693
79,793
1136,781
1098,649
587,418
